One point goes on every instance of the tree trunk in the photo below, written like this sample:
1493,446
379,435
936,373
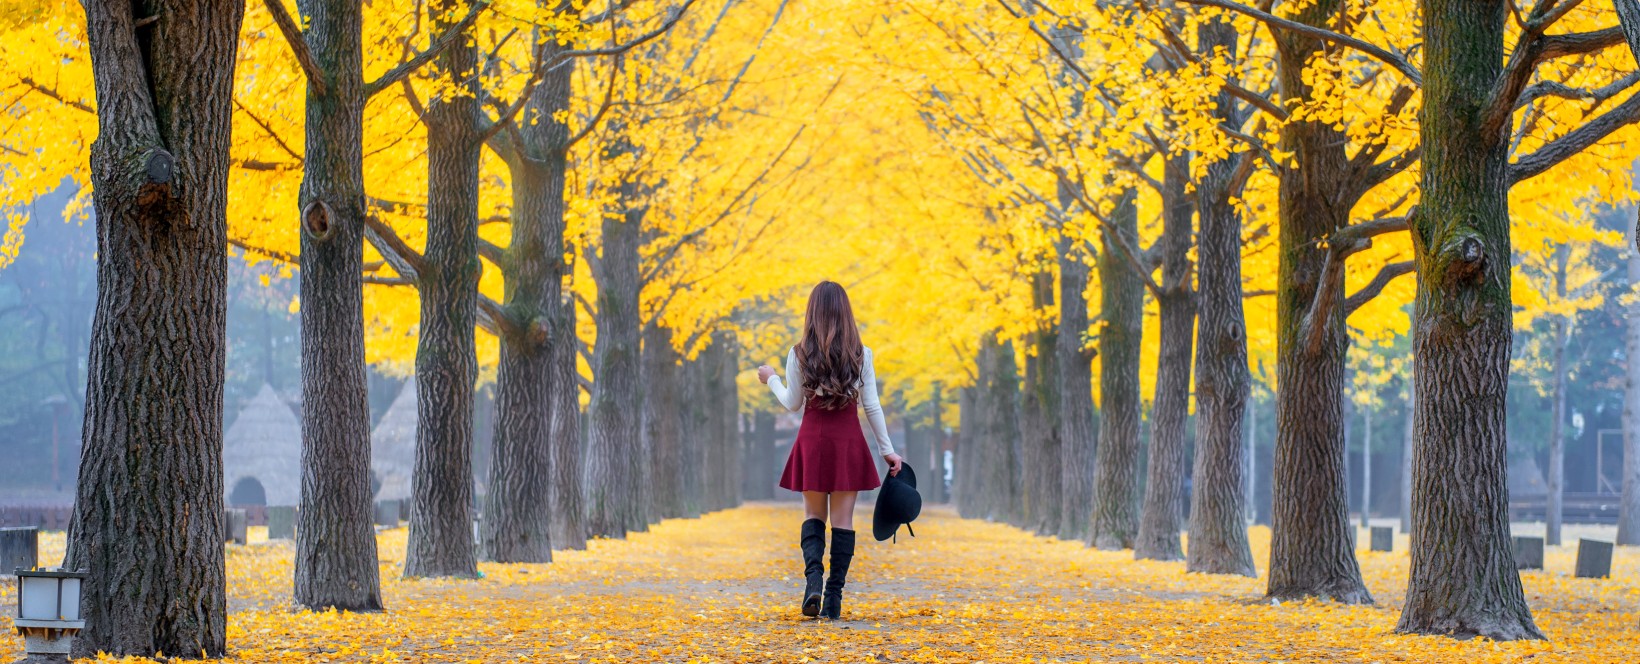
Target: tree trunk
966,489
567,524
1366,466
1628,516
1075,393
613,474
1463,579
1406,461
1218,529
441,516
1160,520
516,529
1557,412
336,564
148,507
1122,295
1044,475
763,472
663,421
1000,462
1311,554
694,431
727,421
936,492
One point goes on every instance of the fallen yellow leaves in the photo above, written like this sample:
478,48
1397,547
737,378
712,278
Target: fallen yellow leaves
722,589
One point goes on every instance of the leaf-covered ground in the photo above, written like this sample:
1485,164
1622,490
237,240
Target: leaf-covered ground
723,588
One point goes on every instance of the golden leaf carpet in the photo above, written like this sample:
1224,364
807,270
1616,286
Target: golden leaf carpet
724,588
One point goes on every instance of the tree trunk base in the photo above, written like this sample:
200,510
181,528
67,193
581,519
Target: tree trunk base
1341,592
1490,625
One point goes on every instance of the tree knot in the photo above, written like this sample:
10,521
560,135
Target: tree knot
317,218
1466,259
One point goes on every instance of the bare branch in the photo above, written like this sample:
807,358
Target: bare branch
1578,140
1385,275
52,93
298,45
451,35
275,254
491,251
1383,55
387,281
609,96
405,260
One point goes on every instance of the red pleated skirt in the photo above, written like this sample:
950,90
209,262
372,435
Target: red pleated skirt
831,454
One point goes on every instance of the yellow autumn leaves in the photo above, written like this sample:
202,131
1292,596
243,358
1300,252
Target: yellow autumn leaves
723,589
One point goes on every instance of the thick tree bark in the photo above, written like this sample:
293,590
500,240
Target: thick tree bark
567,524
1366,467
729,418
1042,468
663,422
336,564
1311,554
516,529
1463,580
441,517
696,428
999,463
1557,412
1075,392
1218,530
616,500
1161,516
1628,515
148,508
1115,505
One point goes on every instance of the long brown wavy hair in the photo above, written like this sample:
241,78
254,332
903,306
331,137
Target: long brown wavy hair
830,353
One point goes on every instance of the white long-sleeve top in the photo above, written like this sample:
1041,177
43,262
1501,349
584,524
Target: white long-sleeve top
792,397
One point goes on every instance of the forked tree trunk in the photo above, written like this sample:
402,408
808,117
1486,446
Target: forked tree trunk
1311,551
1075,392
148,508
336,564
1122,295
567,524
1161,517
1628,515
516,527
613,483
441,517
1463,579
1218,530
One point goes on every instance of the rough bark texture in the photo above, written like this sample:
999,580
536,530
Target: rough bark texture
998,464
148,510
1463,579
1218,530
1366,467
1115,505
695,417
336,563
1628,516
567,523
1076,428
936,492
441,513
1311,554
515,528
663,422
616,499
1042,468
1162,513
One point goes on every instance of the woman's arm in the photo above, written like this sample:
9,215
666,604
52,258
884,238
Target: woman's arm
874,407
790,398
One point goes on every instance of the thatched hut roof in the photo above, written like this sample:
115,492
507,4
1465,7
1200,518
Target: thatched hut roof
264,443
393,446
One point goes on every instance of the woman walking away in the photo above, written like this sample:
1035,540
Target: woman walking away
830,374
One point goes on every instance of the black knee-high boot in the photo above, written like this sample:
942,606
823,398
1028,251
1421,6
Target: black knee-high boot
842,552
814,571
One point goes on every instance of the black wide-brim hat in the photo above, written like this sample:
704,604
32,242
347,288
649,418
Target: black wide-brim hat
898,503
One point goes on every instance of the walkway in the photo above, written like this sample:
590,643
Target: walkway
724,589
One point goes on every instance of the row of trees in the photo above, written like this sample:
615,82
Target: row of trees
1387,139
539,194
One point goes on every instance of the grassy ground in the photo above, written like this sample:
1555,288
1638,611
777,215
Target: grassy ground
724,588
